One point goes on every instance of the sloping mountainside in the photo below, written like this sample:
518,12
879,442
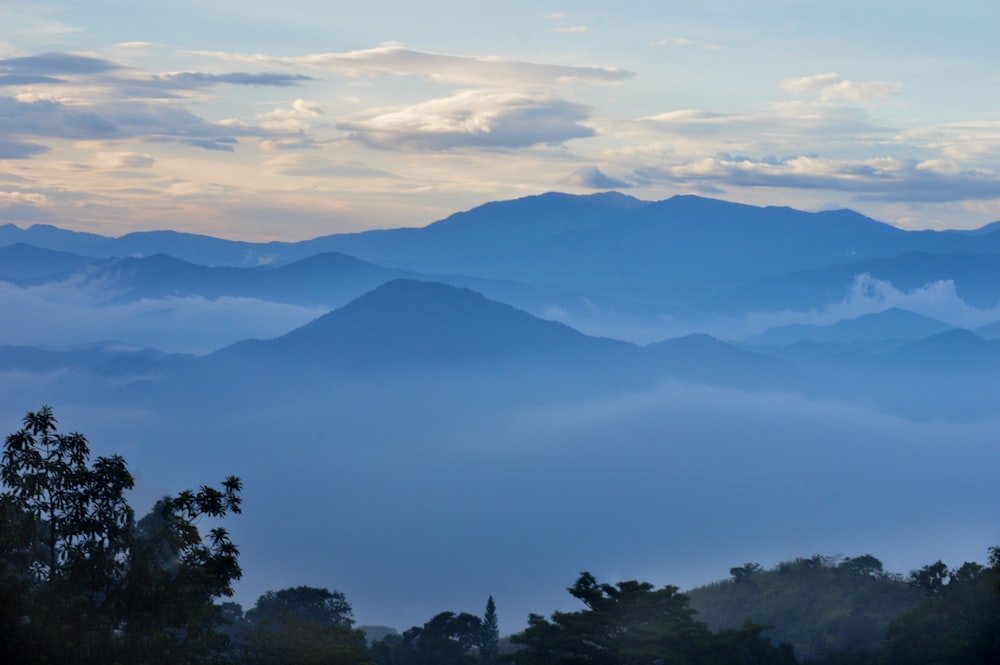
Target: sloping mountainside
20,262
606,264
455,343
328,279
408,322
817,605
462,346
892,324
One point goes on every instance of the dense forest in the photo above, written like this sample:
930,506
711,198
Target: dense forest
82,580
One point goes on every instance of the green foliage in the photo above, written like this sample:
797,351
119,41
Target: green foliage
489,641
635,624
81,581
301,626
447,639
818,605
958,622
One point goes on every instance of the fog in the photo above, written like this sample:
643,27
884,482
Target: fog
434,505
62,314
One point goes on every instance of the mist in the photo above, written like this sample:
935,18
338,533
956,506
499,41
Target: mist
432,508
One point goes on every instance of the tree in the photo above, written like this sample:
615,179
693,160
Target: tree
447,639
302,625
959,622
489,641
633,623
82,582
303,603
931,579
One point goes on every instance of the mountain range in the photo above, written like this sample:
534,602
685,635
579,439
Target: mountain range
530,388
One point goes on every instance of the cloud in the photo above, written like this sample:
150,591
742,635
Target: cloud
831,87
114,120
126,160
482,119
571,29
885,179
684,41
291,119
58,63
27,79
396,60
867,295
784,127
192,324
20,149
191,80
969,140
316,166
594,178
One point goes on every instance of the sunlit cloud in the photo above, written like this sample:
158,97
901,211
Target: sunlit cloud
484,119
592,177
877,179
832,87
396,60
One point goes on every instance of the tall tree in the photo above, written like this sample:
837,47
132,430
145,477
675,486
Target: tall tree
489,641
82,582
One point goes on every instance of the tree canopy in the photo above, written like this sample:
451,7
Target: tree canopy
82,582
633,623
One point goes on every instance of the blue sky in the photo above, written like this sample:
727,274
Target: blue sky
301,118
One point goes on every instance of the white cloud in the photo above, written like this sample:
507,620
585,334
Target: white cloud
125,160
295,118
868,295
396,60
831,87
875,179
486,119
684,41
969,140
31,198
571,29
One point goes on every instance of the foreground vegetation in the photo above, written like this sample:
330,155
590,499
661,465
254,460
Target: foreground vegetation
83,581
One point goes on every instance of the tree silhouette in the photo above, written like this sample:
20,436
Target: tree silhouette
81,581
489,642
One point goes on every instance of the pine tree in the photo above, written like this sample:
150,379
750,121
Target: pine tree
489,644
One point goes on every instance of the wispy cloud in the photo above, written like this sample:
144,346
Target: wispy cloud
58,63
832,87
396,60
484,119
593,178
571,29
684,41
885,179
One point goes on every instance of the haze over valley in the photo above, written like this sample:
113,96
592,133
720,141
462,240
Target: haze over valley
531,387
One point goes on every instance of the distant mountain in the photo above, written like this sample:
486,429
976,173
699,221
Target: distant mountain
20,261
328,279
705,359
570,241
407,323
953,351
891,324
469,242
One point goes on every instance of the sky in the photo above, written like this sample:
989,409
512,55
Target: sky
289,120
